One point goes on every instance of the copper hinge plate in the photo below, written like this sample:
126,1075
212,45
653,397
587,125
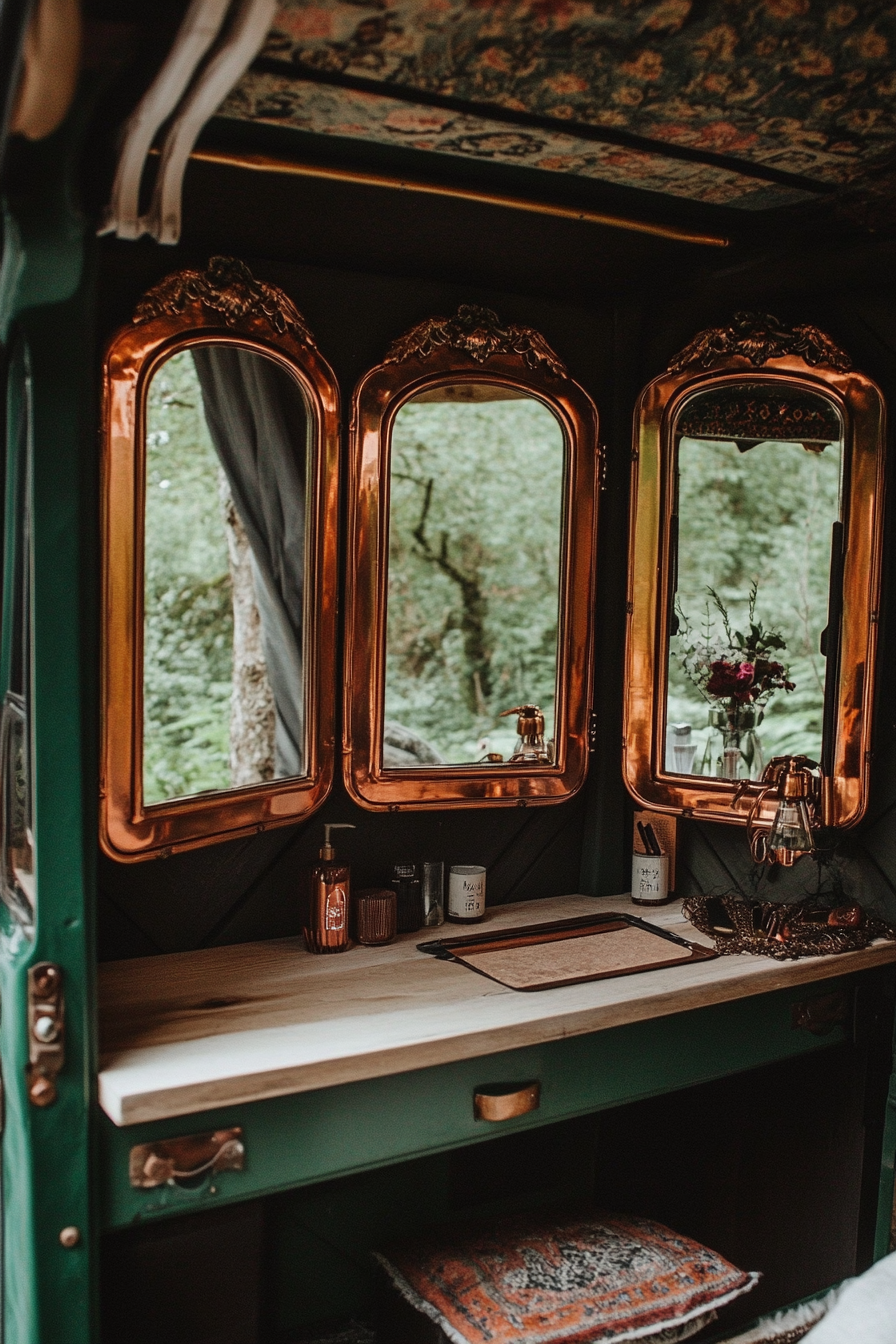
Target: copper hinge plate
171,1161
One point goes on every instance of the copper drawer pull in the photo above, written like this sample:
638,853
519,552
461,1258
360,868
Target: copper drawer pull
505,1101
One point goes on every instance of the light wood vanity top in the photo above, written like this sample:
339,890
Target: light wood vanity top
195,1030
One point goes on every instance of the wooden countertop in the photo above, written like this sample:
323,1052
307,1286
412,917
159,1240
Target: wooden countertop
195,1030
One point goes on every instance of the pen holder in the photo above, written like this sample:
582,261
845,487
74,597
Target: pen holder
650,879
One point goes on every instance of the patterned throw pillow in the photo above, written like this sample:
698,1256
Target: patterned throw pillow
577,1278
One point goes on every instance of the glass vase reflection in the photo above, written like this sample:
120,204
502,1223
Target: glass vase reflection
681,748
733,749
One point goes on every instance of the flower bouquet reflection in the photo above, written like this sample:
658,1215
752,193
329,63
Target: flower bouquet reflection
736,676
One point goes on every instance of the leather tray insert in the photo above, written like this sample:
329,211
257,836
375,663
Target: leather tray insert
618,949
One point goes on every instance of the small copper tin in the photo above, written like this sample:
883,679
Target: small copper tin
375,911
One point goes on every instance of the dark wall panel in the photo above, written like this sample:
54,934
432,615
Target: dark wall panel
719,1164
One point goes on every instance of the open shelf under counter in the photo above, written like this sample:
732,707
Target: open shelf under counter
191,1031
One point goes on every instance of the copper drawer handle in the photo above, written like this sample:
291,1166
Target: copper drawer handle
505,1101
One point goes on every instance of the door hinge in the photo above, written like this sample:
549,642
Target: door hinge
171,1161
46,1032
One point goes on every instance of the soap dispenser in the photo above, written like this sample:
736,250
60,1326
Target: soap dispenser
531,748
327,929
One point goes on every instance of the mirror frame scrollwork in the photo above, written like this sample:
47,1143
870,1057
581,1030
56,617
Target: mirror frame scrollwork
471,347
224,304
754,347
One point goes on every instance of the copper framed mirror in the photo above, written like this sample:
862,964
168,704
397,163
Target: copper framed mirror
472,515
220,476
754,572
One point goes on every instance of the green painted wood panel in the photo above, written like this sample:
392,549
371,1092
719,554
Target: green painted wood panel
298,1140
44,314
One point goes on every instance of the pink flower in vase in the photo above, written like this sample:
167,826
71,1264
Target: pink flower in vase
722,681
746,678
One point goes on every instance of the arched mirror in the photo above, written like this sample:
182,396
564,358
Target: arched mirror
755,571
473,520
219,559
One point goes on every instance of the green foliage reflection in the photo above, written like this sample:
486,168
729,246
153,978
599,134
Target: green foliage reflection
188,626
474,558
763,517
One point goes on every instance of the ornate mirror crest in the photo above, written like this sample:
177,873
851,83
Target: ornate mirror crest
754,571
226,292
477,332
219,481
472,508
759,338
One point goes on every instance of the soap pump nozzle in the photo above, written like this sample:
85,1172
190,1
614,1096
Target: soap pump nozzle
530,746
329,851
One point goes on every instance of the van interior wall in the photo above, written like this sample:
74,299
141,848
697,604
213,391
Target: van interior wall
766,1167
363,264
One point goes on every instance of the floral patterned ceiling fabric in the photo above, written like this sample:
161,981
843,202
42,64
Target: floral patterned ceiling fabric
803,87
344,112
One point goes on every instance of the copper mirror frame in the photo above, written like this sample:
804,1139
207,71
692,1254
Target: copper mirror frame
222,305
472,347
755,346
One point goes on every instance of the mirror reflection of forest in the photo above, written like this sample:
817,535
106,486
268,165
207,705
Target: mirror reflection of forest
220,423
476,500
746,671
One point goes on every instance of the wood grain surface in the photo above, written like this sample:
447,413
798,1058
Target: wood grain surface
193,1030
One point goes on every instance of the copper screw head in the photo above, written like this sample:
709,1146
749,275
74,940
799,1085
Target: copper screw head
69,1237
46,980
41,1090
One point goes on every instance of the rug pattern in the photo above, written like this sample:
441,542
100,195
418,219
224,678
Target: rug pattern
577,1278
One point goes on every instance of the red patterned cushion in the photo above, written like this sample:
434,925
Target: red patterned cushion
580,1277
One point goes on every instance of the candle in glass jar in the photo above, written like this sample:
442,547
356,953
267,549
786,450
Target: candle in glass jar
405,881
433,894
466,893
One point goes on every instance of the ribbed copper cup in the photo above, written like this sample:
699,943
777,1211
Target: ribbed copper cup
375,915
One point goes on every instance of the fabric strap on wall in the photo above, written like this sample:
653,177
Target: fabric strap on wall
258,422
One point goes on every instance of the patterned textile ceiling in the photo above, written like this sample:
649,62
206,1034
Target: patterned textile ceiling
725,101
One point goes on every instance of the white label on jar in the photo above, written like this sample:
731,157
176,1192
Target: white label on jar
650,877
334,917
466,892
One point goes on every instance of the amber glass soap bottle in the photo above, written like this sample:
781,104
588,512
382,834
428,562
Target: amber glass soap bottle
330,893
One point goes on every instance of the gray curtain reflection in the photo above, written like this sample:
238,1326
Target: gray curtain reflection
258,422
